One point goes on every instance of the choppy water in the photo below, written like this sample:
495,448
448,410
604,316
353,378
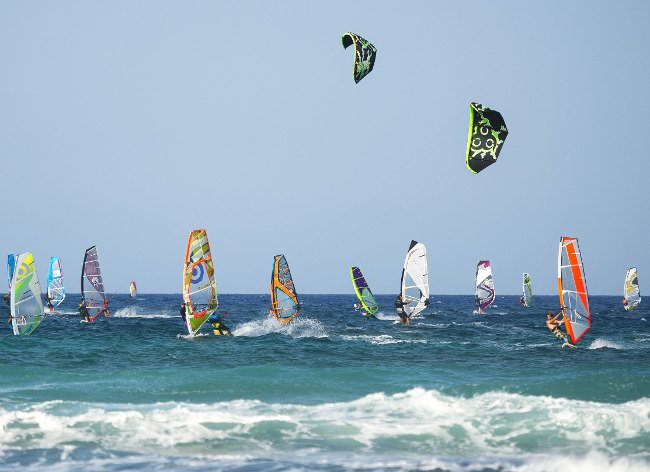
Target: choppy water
331,391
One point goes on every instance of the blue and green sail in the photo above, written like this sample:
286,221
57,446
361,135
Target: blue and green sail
487,133
26,302
362,290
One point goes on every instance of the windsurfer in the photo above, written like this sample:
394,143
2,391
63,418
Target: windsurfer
183,313
625,302
7,298
357,306
48,302
399,304
554,325
83,311
218,327
477,302
522,301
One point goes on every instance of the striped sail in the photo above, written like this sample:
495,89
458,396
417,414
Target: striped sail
415,279
55,289
484,291
362,290
572,287
26,303
631,292
199,285
284,299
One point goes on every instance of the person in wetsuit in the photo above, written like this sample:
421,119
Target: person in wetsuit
48,302
399,305
218,327
183,313
7,299
83,311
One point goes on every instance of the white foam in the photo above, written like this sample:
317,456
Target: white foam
298,327
382,339
600,343
137,312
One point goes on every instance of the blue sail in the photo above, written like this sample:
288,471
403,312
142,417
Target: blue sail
55,289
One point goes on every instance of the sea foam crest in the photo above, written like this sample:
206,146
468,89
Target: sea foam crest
296,328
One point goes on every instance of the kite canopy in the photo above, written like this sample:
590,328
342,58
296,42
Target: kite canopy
487,133
364,57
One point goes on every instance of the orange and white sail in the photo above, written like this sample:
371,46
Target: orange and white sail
572,286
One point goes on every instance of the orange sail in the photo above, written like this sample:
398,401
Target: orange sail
572,286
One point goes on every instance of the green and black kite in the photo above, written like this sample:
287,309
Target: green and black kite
364,57
487,133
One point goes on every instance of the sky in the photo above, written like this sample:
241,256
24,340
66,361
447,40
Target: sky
126,125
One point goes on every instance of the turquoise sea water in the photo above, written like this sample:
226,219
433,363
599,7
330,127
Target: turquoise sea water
331,391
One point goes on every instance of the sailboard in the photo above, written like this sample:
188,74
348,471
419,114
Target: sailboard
527,290
572,286
284,299
487,133
93,295
199,285
362,290
55,288
133,291
484,288
26,303
11,264
631,291
415,280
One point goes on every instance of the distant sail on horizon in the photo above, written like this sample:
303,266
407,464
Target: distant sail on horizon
572,286
26,303
414,285
362,290
93,295
55,288
631,292
199,285
527,289
284,299
484,285
133,291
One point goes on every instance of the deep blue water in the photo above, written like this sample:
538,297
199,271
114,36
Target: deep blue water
330,391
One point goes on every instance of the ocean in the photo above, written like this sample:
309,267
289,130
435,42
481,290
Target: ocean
330,391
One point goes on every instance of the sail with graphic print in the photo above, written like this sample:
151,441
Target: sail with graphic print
55,288
364,54
362,290
93,295
487,133
11,264
199,285
26,303
284,299
631,293
484,288
415,280
572,285
133,291
527,298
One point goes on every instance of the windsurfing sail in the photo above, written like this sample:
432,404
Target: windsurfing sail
55,289
362,290
415,280
527,289
26,303
572,286
631,291
284,299
93,295
199,285
487,133
133,291
364,54
11,264
484,291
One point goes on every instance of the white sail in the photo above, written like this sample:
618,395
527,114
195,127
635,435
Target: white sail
527,290
26,303
484,289
631,292
415,279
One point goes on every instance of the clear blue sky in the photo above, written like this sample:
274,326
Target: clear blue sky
128,124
